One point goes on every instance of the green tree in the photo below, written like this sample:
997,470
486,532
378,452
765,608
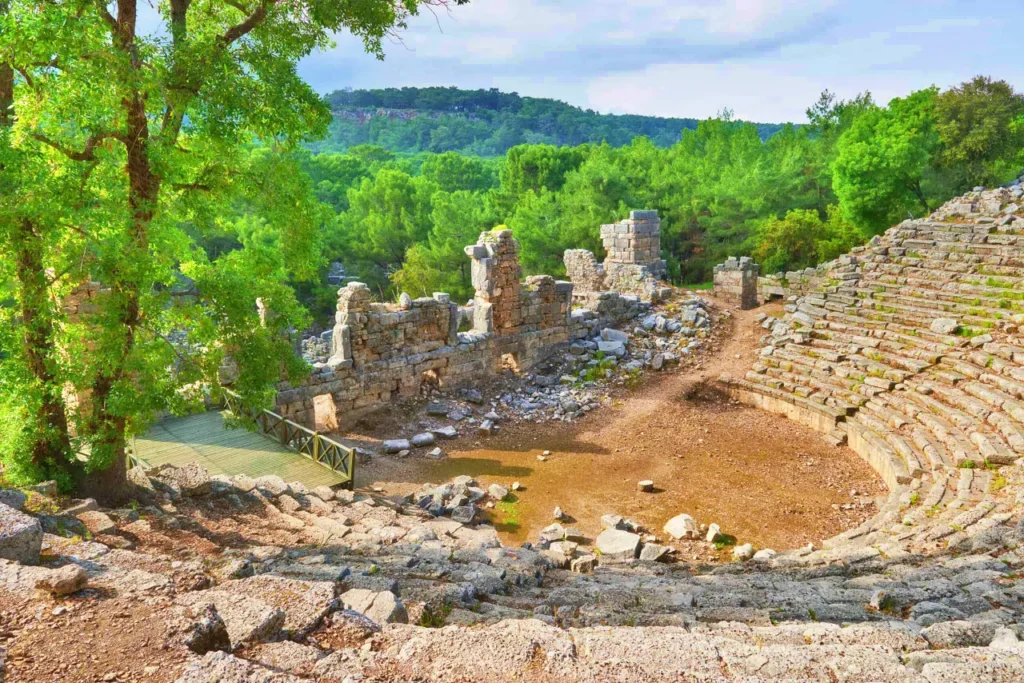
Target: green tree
440,264
154,125
387,214
981,125
452,171
801,240
883,161
535,168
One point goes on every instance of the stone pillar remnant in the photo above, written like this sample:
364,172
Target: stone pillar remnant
736,281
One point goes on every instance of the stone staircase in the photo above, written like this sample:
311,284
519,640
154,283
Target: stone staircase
935,407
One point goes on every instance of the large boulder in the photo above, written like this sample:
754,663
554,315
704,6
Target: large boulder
272,485
192,479
612,335
21,536
612,348
247,619
305,603
98,523
13,498
618,545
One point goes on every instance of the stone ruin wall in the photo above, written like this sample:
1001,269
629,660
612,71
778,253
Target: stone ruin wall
383,351
802,282
633,264
740,279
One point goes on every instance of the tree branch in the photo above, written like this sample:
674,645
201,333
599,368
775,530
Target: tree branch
106,16
242,29
87,152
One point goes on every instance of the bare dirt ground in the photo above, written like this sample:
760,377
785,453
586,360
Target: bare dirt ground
764,479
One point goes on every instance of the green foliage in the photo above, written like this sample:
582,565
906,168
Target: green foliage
981,125
793,199
440,263
801,240
882,160
129,165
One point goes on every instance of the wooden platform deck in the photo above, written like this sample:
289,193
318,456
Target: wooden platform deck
205,439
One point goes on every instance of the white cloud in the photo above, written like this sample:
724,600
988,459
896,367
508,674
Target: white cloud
766,59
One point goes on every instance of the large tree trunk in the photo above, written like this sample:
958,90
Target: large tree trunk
111,483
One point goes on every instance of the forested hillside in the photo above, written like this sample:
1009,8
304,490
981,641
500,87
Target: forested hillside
483,122
799,197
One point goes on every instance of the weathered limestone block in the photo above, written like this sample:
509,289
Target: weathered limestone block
21,536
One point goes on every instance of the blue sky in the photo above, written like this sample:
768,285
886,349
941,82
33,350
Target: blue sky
767,60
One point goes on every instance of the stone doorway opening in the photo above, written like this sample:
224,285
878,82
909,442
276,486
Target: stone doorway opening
325,415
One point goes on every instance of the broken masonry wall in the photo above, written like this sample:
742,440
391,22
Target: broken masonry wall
633,263
384,351
802,282
586,274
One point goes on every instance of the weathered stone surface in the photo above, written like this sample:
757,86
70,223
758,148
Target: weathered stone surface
220,667
424,439
192,479
612,348
63,581
382,607
324,493
947,634
247,619
651,552
464,514
944,326
396,445
286,656
304,602
682,526
612,522
13,498
618,545
272,484
742,553
21,536
98,523
584,564
202,630
609,334
446,432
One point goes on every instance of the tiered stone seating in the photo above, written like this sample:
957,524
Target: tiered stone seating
937,414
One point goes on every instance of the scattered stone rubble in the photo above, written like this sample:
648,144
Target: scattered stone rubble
327,585
572,383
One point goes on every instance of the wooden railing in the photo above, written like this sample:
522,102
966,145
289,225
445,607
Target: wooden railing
294,436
